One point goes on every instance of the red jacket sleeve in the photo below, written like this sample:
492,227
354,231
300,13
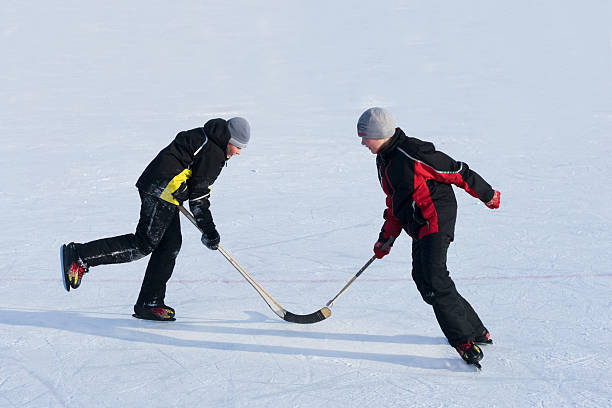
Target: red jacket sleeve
442,168
392,226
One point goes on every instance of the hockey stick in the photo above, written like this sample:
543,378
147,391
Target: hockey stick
315,317
363,268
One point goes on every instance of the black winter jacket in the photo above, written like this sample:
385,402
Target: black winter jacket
187,167
417,181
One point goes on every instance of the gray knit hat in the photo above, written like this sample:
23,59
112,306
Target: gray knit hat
376,123
240,132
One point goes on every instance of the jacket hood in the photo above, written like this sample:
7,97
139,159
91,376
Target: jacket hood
218,132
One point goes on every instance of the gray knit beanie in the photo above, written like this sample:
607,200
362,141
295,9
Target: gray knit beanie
240,132
376,123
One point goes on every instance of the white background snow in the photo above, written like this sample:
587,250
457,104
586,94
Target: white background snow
91,91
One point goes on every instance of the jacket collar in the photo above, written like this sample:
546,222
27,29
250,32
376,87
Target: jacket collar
388,148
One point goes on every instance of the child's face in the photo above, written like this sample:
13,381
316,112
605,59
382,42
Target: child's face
373,144
232,150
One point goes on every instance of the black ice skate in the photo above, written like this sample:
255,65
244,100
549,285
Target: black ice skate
483,338
470,353
160,313
73,268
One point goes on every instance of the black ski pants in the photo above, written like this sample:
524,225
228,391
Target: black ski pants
158,233
456,317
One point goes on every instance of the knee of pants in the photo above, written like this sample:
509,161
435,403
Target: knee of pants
170,247
144,246
428,295
174,249
434,298
426,291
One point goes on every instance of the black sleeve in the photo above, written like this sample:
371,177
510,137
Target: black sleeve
201,212
205,171
199,183
184,146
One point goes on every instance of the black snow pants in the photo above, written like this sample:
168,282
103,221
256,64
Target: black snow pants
457,319
158,233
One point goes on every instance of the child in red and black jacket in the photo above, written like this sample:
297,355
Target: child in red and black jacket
417,180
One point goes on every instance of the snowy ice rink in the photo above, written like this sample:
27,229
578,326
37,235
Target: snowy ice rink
522,91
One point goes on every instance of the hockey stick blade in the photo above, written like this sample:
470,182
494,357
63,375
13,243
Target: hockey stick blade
281,312
315,317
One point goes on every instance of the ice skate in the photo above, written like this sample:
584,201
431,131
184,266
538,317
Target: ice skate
159,313
470,353
73,268
483,338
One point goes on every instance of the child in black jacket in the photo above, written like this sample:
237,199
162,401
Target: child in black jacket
184,170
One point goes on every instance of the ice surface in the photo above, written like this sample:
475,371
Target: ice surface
91,91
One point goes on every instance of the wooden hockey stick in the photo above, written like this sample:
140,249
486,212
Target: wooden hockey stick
281,312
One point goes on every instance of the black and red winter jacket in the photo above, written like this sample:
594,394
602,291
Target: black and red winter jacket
417,181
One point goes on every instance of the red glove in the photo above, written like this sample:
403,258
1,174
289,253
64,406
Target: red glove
494,203
379,252
383,247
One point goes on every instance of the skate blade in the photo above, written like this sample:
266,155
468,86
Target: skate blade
153,320
64,277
